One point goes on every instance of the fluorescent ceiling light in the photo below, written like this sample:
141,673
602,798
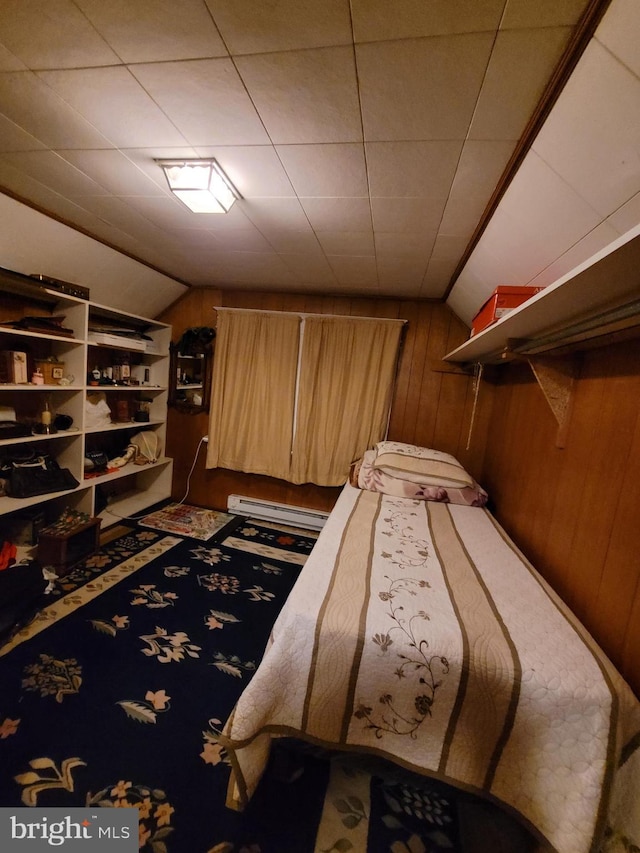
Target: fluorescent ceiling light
200,184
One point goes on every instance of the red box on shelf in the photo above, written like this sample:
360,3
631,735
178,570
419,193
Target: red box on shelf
503,300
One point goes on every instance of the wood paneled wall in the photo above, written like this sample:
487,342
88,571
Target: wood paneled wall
430,407
574,511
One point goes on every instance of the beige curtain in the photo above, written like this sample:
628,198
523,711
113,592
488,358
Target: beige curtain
346,380
253,392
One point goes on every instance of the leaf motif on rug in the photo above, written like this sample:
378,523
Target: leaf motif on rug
232,665
169,647
34,783
53,677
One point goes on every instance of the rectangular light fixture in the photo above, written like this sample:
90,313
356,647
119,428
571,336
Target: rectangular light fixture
200,184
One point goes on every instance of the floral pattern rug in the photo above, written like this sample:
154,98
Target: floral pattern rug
115,695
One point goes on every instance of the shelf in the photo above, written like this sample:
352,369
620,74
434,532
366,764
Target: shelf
126,471
149,358
598,299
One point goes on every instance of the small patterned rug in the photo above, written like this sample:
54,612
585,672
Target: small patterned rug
192,521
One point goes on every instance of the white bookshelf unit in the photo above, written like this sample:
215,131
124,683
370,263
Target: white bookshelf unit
138,343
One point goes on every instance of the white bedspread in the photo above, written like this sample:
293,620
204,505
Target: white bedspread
418,632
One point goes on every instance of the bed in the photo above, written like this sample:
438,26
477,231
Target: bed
418,632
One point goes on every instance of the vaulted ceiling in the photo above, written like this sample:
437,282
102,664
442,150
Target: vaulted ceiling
366,137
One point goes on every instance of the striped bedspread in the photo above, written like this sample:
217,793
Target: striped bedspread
418,632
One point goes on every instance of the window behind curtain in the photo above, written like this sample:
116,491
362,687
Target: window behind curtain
347,370
259,424
253,392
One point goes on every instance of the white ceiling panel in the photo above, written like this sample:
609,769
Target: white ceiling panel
412,168
619,32
313,268
406,214
355,271
33,106
608,127
255,170
305,96
542,13
114,172
421,88
205,99
333,214
52,171
372,20
14,138
326,170
54,34
113,101
347,242
155,30
515,80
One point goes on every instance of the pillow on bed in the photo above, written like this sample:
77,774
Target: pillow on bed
421,465
365,476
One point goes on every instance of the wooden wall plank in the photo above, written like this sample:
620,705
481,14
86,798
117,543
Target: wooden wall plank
574,510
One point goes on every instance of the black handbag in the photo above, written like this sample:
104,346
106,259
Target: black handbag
39,477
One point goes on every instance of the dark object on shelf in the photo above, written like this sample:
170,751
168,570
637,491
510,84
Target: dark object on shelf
44,325
39,476
190,370
22,593
61,286
12,429
62,422
61,551
95,460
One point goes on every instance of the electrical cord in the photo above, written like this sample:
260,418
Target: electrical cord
202,441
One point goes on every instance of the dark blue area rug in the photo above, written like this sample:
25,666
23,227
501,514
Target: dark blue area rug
116,694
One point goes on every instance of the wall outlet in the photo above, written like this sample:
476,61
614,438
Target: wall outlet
205,438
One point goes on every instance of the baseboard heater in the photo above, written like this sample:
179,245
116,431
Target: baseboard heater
296,516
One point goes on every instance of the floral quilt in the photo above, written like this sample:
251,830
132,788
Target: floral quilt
419,633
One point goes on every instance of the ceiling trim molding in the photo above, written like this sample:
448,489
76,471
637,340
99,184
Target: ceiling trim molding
582,35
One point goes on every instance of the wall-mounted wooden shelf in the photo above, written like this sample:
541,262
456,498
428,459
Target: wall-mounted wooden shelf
596,304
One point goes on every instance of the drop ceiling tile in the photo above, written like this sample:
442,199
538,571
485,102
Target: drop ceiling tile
413,18
479,170
627,216
542,13
406,214
397,271
412,168
446,254
601,236
28,188
154,30
10,62
14,138
421,88
113,101
347,242
254,26
114,171
522,61
354,270
256,268
619,31
244,240
33,106
607,128
54,172
255,170
305,96
332,169
119,213
310,269
410,244
276,214
52,35
295,242
338,214
205,99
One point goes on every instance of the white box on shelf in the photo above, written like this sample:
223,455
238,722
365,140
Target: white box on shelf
121,341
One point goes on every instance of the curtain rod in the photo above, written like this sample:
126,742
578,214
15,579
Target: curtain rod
309,314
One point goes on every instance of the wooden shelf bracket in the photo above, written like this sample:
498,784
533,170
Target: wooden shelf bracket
556,377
